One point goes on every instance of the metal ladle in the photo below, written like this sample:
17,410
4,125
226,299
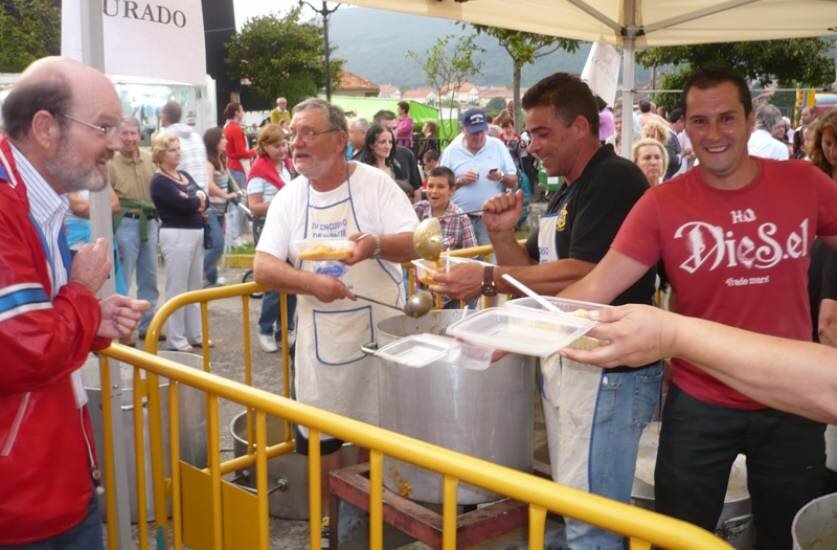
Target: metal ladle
417,305
428,239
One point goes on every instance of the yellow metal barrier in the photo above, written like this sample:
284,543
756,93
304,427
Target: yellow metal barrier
641,526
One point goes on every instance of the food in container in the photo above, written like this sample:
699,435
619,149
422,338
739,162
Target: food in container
426,269
324,249
574,307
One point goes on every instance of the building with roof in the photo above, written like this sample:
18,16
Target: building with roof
355,85
389,91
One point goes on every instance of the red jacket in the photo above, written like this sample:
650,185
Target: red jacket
46,444
236,146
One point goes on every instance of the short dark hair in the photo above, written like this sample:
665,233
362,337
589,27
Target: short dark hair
443,172
675,115
404,106
383,114
173,111
715,75
568,95
53,95
231,109
644,106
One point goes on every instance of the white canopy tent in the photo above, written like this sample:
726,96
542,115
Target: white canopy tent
633,24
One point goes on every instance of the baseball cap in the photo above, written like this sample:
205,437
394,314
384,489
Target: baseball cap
474,120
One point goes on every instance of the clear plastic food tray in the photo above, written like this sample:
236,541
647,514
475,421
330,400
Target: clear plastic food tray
521,330
324,249
425,269
567,306
417,351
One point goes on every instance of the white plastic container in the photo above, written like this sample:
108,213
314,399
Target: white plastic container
567,306
536,333
425,269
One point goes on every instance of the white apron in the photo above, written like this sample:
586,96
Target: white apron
332,372
570,389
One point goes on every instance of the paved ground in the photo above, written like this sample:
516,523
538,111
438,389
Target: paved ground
225,329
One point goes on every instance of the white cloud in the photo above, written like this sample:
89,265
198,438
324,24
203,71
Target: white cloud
245,9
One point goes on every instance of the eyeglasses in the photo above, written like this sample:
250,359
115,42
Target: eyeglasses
108,131
308,135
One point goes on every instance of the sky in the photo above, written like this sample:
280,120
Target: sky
244,9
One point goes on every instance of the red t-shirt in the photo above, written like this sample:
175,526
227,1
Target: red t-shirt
236,146
736,257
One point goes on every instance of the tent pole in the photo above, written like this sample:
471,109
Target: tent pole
628,70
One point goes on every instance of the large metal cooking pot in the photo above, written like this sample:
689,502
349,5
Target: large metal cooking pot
287,475
485,413
814,526
192,421
736,522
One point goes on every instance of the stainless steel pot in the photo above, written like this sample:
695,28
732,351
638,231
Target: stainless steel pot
485,413
192,422
814,526
736,522
287,475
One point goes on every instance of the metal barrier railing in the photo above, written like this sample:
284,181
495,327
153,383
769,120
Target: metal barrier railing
641,526
542,495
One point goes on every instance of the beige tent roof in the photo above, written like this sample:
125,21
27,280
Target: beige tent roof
656,22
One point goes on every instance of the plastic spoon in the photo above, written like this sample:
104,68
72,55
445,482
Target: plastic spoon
531,293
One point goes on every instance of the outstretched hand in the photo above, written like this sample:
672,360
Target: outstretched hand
636,335
91,265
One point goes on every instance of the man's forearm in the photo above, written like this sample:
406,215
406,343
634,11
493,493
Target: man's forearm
507,250
398,247
272,272
798,377
548,279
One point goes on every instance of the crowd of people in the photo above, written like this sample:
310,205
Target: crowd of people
729,227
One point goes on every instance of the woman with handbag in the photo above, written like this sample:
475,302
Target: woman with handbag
180,205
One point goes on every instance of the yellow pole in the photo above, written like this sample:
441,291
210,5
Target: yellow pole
174,457
537,524
314,504
215,470
205,336
139,461
449,513
248,368
376,496
110,475
286,357
261,479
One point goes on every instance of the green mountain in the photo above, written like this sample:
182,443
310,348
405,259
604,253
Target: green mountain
375,43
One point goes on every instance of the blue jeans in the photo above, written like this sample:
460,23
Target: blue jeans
625,404
215,223
87,535
480,231
141,256
269,317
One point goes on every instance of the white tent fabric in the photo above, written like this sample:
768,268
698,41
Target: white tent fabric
635,24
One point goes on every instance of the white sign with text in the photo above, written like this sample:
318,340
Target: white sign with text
157,39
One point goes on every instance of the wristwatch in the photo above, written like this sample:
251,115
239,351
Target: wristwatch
488,287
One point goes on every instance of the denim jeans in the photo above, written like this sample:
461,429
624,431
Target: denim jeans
698,444
625,404
142,257
215,223
87,535
236,223
269,317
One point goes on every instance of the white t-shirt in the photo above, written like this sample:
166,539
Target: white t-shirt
380,205
762,144
268,190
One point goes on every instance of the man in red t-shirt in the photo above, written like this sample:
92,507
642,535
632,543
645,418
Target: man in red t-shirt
735,236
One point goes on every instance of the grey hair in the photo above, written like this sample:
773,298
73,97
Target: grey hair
768,116
334,114
360,122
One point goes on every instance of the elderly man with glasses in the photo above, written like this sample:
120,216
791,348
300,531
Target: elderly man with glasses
335,199
61,122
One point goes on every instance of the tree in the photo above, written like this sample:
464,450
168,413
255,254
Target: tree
280,57
524,48
447,65
31,29
494,106
800,61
